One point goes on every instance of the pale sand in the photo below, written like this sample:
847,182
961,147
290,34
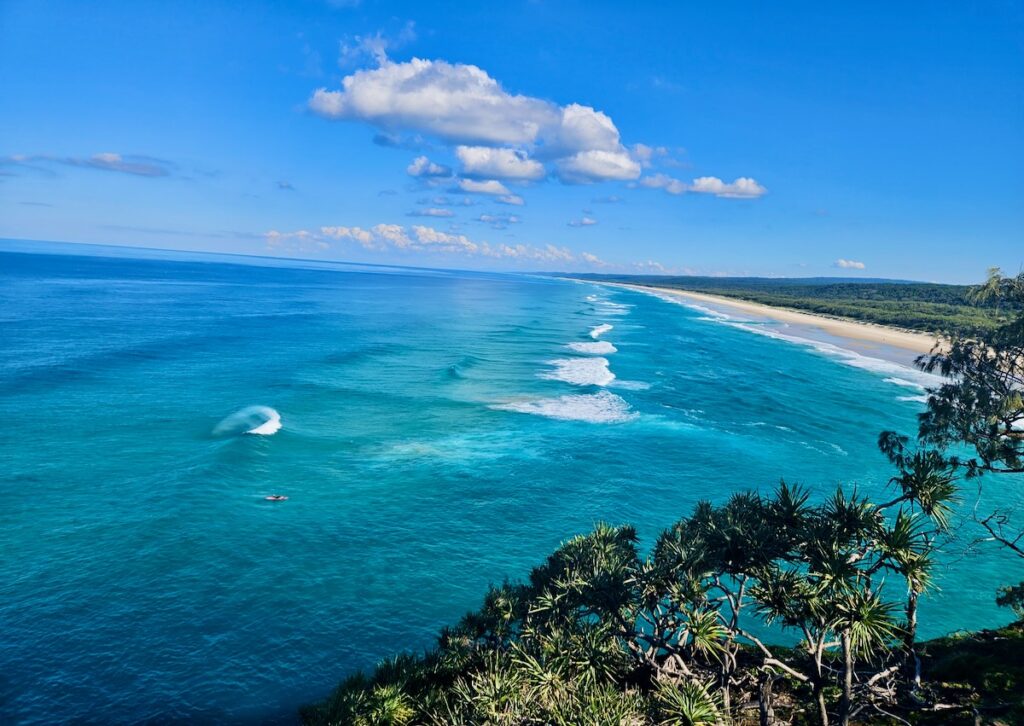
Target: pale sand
881,335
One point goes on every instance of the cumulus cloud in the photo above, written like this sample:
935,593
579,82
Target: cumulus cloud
464,106
501,163
742,188
421,166
645,154
597,165
583,222
455,102
135,165
848,264
664,181
488,186
592,259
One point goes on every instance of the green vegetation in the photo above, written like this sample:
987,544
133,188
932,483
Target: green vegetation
928,307
602,634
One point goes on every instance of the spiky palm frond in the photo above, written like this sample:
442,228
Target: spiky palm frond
687,703
869,620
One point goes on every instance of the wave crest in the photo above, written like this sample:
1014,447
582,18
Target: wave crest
256,420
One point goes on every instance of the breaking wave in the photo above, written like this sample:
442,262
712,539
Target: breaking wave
601,407
256,420
600,347
580,371
598,330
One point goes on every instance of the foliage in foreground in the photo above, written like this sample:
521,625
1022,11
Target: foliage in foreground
601,635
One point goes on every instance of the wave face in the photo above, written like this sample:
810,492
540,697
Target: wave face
255,420
601,347
426,428
600,408
580,371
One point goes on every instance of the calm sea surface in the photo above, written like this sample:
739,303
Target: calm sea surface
438,431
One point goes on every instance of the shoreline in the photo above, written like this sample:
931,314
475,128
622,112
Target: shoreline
892,344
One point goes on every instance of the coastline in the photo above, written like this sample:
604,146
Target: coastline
879,341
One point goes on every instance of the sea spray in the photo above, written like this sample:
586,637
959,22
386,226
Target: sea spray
256,420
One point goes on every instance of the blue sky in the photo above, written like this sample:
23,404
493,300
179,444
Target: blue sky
793,139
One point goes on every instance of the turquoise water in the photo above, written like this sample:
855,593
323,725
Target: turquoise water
437,433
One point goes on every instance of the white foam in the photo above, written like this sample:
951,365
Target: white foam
920,379
917,399
903,382
614,308
852,358
601,407
631,385
598,330
601,347
580,371
256,420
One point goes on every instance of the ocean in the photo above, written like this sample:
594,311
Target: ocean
433,432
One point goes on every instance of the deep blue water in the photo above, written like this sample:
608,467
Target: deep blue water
429,445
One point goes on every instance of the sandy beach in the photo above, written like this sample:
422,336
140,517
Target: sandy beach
893,344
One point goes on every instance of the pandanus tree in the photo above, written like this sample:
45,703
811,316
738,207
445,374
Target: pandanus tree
980,404
601,635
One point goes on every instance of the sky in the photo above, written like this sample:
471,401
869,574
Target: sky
870,139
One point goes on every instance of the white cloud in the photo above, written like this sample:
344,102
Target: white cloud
663,181
499,221
459,103
583,222
432,212
597,165
421,166
513,199
489,186
498,163
136,165
742,188
362,236
462,105
592,259
848,264
374,47
645,154
417,238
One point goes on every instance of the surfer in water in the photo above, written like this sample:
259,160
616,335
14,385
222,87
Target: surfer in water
276,498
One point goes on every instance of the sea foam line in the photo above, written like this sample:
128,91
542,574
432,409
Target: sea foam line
598,330
600,347
600,407
848,357
580,371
